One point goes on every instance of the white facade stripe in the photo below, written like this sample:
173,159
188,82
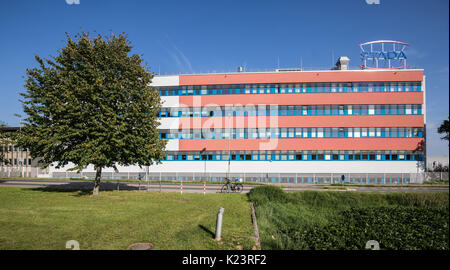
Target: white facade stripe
165,81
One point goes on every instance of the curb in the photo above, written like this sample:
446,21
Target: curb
255,227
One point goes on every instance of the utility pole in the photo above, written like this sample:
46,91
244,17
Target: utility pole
229,157
206,157
146,177
20,130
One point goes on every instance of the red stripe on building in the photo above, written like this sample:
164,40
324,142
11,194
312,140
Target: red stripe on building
302,121
302,99
303,77
301,144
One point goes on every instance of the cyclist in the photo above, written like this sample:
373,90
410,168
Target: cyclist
230,186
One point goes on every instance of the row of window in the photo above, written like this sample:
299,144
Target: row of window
15,162
12,148
275,110
293,155
261,133
290,88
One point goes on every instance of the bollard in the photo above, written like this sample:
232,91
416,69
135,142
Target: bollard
204,188
219,224
181,187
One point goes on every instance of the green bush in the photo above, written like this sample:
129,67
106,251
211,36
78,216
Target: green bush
399,228
347,220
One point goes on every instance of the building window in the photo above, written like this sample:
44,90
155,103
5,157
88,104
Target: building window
262,155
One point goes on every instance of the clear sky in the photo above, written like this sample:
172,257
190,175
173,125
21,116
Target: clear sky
220,35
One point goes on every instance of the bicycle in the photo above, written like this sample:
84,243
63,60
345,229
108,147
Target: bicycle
229,186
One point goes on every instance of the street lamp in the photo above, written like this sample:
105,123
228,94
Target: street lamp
20,167
229,156
21,158
267,174
201,154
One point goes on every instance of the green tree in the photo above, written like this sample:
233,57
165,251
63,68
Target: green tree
92,104
444,129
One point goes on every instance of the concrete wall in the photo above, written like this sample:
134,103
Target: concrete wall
273,167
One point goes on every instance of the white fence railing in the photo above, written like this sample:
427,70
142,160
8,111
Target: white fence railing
294,178
25,171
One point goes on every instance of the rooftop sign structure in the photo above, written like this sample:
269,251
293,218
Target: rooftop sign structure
383,54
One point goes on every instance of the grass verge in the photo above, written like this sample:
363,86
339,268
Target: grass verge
43,219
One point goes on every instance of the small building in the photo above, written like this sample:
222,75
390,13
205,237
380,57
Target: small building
17,162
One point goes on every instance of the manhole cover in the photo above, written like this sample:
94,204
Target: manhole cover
141,246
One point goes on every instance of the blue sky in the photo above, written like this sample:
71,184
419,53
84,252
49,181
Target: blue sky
220,35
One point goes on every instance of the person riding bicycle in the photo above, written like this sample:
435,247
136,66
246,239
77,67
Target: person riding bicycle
235,186
228,181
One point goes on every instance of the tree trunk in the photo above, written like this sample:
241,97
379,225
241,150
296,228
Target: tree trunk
98,174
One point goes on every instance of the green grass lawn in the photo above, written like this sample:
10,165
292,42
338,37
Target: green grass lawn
347,220
42,219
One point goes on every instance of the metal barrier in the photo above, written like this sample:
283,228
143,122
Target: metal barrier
288,178
25,171
253,177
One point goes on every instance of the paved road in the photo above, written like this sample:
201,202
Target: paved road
196,188
88,185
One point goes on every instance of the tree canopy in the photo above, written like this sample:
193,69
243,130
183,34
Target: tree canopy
92,104
444,128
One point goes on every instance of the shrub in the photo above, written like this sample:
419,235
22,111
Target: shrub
399,228
347,220
396,227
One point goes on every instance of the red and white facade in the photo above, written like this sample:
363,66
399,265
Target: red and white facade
296,121
334,121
